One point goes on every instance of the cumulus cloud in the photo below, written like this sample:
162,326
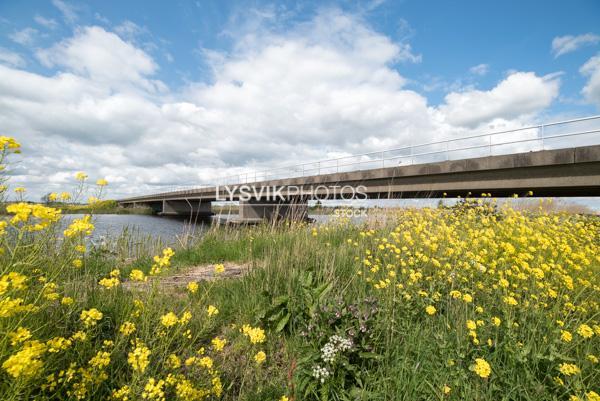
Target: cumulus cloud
11,58
569,43
103,57
591,90
519,94
328,86
24,37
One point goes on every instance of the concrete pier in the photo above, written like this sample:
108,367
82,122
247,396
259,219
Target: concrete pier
274,210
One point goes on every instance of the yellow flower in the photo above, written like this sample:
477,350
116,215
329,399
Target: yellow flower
109,282
482,368
10,144
102,182
65,196
137,275
447,389
79,336
568,369
20,335
218,343
430,310
566,336
585,331
81,176
67,301
255,334
185,317
20,190
592,358
80,226
121,394
219,268
592,396
192,287
496,321
471,325
27,362
154,390
260,357
169,320
127,328
32,217
58,344
52,197
138,358
100,360
212,311
77,263
284,398
90,317
510,301
173,361
206,362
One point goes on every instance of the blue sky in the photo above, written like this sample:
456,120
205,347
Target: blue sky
451,37
129,90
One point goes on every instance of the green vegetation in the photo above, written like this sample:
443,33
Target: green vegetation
470,303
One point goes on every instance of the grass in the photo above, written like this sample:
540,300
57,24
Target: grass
370,284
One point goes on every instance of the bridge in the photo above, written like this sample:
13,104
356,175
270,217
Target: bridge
556,159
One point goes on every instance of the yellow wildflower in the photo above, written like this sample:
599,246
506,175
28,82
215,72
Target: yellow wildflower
260,357
482,368
90,317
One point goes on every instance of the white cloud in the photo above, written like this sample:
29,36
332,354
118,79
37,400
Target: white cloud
521,93
325,87
11,58
103,57
24,37
569,43
129,29
591,90
66,9
479,69
46,22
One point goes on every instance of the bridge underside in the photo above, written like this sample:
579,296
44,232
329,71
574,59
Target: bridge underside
564,172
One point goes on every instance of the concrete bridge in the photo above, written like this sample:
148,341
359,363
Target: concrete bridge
571,171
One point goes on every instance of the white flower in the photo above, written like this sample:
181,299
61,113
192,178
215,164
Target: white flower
320,373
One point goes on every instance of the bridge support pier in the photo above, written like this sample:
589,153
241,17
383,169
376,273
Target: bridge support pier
183,207
273,210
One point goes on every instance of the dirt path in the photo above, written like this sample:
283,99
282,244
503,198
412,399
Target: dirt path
182,278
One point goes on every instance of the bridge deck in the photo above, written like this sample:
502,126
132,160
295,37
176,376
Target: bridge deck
561,172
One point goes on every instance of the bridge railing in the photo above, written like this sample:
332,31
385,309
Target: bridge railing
555,135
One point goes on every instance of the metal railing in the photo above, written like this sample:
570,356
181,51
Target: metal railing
579,132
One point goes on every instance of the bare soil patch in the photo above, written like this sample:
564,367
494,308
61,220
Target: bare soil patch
182,278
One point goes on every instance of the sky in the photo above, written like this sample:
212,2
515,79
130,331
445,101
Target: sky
156,94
